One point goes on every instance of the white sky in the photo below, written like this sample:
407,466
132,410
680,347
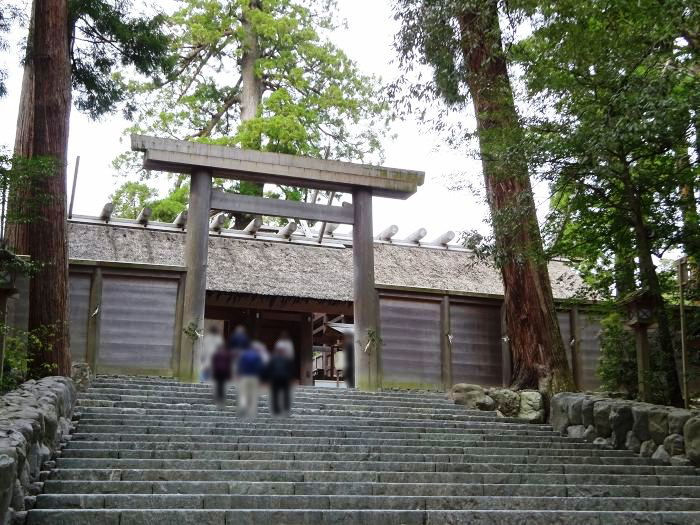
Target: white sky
367,40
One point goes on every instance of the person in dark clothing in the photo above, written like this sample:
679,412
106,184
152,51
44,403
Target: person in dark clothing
221,365
279,374
249,368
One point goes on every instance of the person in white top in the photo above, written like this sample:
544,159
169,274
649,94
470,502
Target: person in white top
209,344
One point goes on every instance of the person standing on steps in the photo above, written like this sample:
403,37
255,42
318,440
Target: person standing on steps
221,370
279,374
249,369
211,342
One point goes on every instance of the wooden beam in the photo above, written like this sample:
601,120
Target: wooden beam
182,156
234,202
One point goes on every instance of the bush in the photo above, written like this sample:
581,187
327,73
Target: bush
617,365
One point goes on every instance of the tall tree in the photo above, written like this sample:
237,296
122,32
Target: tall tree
262,75
104,37
462,42
48,297
614,88
71,46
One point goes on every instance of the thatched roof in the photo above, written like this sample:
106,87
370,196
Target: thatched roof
300,270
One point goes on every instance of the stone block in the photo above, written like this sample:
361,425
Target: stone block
576,431
457,391
507,401
531,406
589,435
658,424
601,418
661,455
691,435
640,425
632,442
559,410
680,461
587,406
647,448
475,400
677,419
674,444
604,443
575,411
620,423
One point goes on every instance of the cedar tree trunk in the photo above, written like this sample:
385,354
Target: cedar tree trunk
18,207
48,293
539,358
650,280
251,98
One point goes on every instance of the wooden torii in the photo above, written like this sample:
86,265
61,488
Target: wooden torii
205,161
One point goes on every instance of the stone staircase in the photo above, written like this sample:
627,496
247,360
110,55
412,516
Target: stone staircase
155,451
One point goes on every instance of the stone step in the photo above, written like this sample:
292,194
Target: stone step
122,450
154,451
320,417
300,397
297,470
312,431
347,517
163,385
214,501
558,489
484,446
333,424
346,461
301,411
319,437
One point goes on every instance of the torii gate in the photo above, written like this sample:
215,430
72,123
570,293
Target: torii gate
205,161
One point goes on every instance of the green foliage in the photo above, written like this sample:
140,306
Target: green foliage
19,172
617,366
131,197
315,102
613,94
9,13
19,345
107,36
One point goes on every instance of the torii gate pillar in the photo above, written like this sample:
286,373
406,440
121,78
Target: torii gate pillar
196,257
368,375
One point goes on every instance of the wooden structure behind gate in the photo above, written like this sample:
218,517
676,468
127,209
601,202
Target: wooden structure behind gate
435,340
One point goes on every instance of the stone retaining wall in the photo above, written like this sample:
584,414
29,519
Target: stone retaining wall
34,419
669,434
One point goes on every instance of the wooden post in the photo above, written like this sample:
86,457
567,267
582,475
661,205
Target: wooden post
506,359
642,340
94,316
177,336
366,305
682,267
446,343
575,346
196,255
306,352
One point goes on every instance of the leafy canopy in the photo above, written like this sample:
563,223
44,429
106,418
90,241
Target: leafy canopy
615,96
315,101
